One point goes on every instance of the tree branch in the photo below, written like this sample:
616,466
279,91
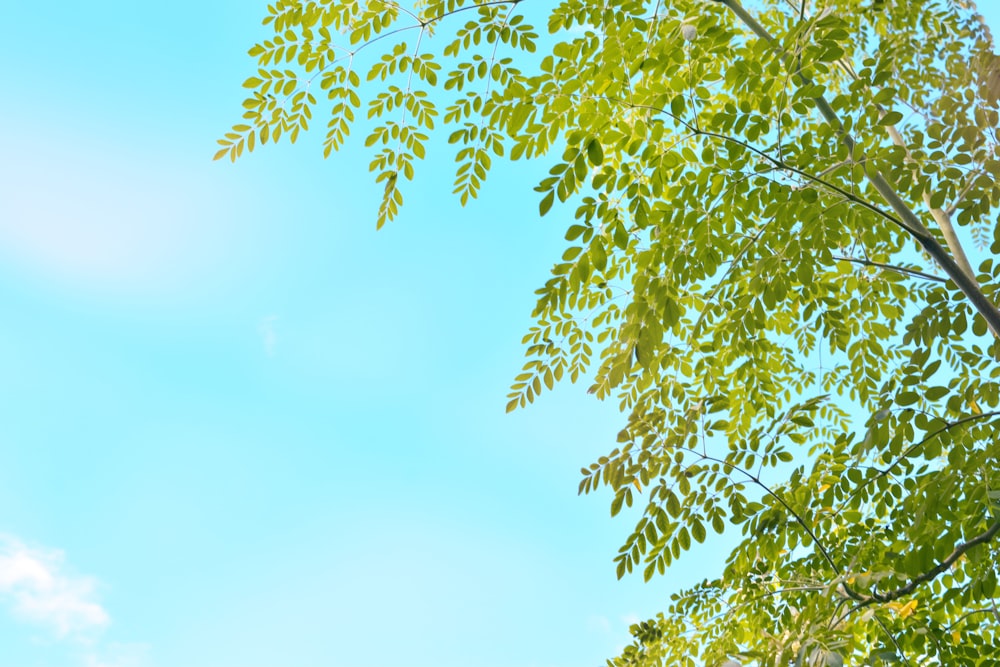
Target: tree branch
908,219
961,195
882,472
780,164
891,267
798,519
987,610
931,574
941,217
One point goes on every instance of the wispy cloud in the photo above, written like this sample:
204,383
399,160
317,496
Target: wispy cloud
598,624
92,213
268,334
631,619
36,586
121,655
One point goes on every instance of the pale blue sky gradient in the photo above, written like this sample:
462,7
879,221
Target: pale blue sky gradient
246,427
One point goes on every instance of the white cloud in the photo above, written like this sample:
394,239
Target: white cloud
598,624
268,333
37,588
97,214
603,625
631,619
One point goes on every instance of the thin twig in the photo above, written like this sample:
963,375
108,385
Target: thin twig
882,472
890,267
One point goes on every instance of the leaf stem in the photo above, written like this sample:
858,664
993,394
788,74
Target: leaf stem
891,267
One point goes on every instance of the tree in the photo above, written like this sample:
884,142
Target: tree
766,271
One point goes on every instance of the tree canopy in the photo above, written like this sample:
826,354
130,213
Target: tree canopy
781,267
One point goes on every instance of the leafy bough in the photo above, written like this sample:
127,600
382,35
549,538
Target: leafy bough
740,275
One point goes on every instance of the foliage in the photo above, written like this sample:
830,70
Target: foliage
765,272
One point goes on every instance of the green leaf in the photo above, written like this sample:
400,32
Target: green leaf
598,255
673,505
616,504
698,531
890,118
935,393
546,203
595,153
684,539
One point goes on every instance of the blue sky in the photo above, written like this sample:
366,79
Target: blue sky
239,427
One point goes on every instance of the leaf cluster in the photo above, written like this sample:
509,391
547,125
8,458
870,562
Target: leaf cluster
764,269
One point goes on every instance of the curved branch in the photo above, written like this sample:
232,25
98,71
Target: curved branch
895,594
932,573
974,612
788,508
882,472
